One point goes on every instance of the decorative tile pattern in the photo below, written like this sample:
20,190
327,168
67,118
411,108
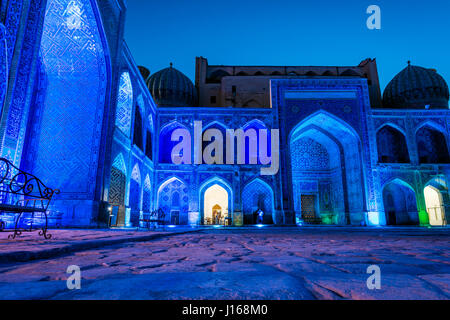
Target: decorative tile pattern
124,104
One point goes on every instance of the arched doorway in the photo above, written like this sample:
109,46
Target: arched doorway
326,171
258,195
215,205
135,196
174,201
166,145
116,196
124,104
391,145
400,204
432,145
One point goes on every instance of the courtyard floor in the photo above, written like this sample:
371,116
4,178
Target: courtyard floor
238,263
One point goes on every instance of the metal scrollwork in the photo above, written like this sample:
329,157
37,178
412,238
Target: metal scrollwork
22,192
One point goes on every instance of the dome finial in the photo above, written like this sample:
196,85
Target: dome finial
171,64
409,62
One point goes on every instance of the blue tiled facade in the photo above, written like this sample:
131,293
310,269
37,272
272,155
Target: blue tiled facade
76,112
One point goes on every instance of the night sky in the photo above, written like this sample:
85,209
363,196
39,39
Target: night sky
289,32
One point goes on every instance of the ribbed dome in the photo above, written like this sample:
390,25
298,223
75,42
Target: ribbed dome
171,88
416,87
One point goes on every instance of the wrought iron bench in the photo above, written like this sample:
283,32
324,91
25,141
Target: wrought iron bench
156,217
24,195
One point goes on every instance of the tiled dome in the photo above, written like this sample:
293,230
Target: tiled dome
415,88
171,88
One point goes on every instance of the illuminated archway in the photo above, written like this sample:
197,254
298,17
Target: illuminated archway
400,204
173,199
258,195
146,197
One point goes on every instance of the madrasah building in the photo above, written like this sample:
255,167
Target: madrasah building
77,112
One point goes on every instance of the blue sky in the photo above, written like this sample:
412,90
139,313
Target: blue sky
289,32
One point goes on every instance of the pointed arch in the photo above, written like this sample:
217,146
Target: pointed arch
141,104
432,145
350,73
391,145
222,183
400,204
77,91
432,124
117,190
215,123
252,103
166,144
328,73
150,123
173,199
222,128
147,183
329,121
3,65
399,182
135,195
333,147
258,194
119,163
138,127
136,174
217,75
124,104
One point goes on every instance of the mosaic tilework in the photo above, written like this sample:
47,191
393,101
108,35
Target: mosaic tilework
307,153
391,145
75,63
432,146
146,198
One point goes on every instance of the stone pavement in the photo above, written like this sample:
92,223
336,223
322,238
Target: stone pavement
244,263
